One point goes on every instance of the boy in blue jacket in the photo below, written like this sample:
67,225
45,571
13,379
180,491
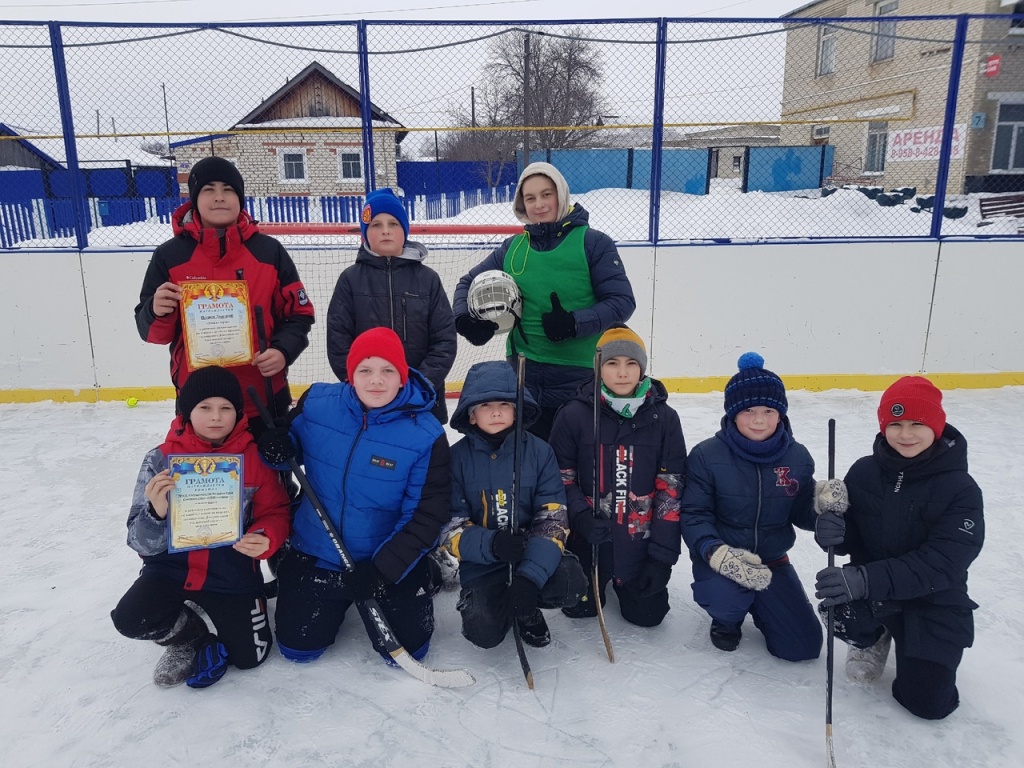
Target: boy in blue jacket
379,462
487,536
642,460
746,489
913,527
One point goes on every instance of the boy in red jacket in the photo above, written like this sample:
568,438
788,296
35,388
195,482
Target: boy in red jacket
225,581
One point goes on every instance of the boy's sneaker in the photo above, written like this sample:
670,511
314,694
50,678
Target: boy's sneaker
209,662
725,637
865,665
534,631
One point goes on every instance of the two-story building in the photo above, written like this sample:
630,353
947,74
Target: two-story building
877,90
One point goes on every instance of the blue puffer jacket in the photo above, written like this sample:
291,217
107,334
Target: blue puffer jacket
643,463
383,475
482,486
746,505
550,384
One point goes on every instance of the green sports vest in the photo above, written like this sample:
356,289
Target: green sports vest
563,269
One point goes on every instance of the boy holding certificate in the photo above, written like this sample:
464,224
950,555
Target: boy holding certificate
219,286
209,435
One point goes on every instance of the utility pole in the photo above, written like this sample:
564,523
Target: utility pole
167,119
97,122
472,105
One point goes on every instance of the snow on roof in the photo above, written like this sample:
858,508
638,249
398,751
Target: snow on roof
103,152
314,122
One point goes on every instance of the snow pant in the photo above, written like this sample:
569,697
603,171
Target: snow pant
924,687
486,602
647,611
150,608
782,612
311,608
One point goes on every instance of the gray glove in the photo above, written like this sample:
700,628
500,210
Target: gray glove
741,566
835,585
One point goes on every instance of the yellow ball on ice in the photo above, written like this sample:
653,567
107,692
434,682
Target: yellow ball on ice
131,402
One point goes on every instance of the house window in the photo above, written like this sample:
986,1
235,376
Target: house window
1008,151
820,134
350,165
884,46
827,40
874,156
292,166
737,163
1017,24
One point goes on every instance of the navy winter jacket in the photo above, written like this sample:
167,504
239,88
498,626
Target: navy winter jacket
552,384
746,505
400,293
383,475
916,525
643,465
482,479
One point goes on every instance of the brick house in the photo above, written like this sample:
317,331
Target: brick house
303,140
877,92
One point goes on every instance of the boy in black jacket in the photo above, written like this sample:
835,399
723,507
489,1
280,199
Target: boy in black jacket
913,528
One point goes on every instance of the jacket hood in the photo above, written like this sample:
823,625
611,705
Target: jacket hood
547,232
415,396
413,251
561,187
487,382
185,222
947,454
181,438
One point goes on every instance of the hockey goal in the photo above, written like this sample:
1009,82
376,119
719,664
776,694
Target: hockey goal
322,251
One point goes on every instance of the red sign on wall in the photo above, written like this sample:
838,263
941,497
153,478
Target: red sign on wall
993,64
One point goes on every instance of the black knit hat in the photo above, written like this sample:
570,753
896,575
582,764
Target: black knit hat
212,381
211,169
754,385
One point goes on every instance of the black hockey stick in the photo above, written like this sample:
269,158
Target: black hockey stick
261,334
598,511
517,468
830,629
443,678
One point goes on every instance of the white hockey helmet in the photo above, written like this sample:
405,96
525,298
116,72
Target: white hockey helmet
494,296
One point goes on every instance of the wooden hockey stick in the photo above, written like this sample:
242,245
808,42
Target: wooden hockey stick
517,468
598,511
830,629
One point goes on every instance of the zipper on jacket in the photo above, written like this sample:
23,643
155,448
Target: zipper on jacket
405,320
344,480
757,517
391,295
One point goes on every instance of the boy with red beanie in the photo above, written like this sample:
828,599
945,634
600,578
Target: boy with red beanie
913,527
380,464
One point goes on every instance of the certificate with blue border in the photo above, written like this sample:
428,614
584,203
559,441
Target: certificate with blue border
206,501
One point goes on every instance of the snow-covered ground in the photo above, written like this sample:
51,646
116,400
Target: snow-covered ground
75,693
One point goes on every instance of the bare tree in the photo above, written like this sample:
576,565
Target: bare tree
489,143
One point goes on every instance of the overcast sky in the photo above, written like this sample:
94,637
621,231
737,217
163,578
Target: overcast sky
412,10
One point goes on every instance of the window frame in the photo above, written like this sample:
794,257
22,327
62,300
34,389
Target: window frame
884,32
1016,128
282,165
357,151
827,35
873,132
1017,25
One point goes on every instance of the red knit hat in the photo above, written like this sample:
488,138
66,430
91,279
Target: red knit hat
912,398
378,342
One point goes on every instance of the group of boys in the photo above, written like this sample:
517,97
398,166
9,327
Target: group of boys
611,480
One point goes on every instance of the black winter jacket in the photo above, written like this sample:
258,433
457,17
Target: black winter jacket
916,525
400,293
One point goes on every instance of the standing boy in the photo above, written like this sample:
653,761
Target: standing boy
746,489
914,526
390,286
642,463
215,240
224,581
488,535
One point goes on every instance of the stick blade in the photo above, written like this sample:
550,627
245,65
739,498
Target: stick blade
442,678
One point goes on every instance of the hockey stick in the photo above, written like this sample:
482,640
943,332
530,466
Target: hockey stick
443,678
830,629
517,468
598,511
261,334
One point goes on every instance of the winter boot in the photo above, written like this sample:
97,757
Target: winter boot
725,637
175,665
534,631
209,662
865,665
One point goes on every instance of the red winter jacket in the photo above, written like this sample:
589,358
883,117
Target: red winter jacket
241,253
221,569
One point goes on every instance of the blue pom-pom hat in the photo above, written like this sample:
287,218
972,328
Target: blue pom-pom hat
754,385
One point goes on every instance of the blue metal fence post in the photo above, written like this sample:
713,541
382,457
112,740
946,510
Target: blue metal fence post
948,125
365,110
67,127
659,129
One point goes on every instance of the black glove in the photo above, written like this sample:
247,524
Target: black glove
362,582
276,446
652,579
525,595
559,325
507,546
476,332
837,585
594,530
829,529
